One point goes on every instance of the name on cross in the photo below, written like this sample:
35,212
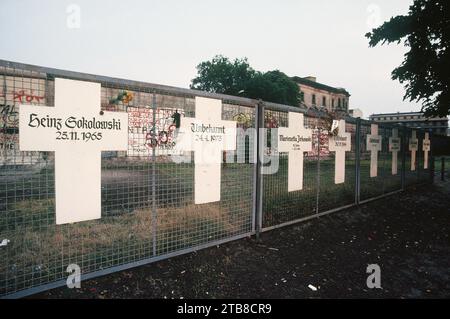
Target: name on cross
202,128
340,140
297,138
72,122
395,144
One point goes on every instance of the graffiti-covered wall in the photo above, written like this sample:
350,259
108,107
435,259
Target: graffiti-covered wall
13,92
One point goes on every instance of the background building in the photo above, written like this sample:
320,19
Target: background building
355,113
438,125
315,94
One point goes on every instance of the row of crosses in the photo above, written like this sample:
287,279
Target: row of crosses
374,146
78,162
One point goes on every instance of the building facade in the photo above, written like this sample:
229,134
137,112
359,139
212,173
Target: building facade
356,113
437,125
315,94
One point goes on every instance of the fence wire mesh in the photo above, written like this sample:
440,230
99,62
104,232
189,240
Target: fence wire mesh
147,193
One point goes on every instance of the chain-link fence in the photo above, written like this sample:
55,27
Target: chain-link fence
148,207
442,168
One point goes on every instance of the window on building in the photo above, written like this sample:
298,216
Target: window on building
332,103
324,101
302,96
339,103
313,99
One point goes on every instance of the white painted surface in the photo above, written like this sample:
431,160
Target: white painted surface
394,147
207,146
295,140
426,146
77,158
373,144
413,146
340,144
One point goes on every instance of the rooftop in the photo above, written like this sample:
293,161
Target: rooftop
403,114
310,82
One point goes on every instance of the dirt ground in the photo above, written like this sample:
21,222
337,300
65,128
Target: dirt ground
407,235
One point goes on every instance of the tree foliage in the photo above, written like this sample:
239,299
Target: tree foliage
425,71
220,75
274,86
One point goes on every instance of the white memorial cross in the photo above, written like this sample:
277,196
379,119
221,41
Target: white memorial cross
394,147
413,146
374,146
295,140
208,136
76,131
340,144
426,146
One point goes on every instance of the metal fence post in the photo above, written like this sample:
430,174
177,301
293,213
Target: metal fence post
419,154
404,150
318,167
358,161
259,122
431,159
154,221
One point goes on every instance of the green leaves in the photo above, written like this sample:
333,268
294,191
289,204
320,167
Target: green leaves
425,72
220,75
274,86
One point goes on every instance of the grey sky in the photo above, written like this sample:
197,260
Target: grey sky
163,41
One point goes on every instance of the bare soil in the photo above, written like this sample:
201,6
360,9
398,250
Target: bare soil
407,235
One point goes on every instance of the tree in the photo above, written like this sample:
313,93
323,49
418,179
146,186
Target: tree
425,69
274,86
220,75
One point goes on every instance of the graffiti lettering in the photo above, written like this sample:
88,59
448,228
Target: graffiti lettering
22,97
9,117
148,131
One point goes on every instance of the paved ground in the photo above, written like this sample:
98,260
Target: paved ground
407,235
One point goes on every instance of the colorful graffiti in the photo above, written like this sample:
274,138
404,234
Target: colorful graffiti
22,97
124,97
9,117
244,120
146,134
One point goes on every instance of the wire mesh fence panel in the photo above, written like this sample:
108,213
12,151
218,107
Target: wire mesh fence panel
26,188
147,205
441,168
183,224
279,204
38,250
377,177
335,193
